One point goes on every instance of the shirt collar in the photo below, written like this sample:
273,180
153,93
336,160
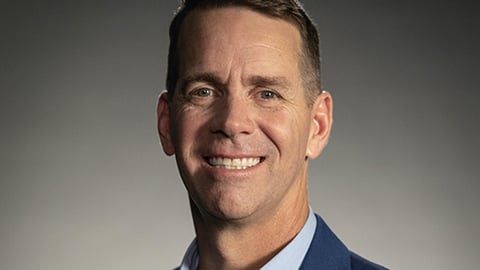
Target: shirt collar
190,259
290,257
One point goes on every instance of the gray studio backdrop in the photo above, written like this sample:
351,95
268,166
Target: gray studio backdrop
85,185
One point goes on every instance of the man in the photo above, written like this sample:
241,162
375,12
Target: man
243,114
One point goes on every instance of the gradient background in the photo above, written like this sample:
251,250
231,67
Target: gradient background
85,185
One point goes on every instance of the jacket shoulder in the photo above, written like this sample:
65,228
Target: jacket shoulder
359,263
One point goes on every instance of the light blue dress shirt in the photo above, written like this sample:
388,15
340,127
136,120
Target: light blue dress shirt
289,258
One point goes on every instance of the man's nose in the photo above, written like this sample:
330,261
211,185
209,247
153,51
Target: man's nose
233,117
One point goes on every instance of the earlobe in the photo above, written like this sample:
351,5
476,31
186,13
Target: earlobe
321,125
163,124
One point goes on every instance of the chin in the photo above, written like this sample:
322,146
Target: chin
227,210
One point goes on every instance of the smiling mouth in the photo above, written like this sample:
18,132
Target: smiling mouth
233,163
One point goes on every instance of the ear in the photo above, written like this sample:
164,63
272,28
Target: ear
321,125
163,125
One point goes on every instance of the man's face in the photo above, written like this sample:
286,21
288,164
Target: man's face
239,123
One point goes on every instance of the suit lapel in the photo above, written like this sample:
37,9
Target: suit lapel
326,252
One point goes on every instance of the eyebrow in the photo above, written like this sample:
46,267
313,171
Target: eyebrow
269,81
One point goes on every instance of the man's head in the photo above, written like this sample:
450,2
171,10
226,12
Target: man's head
288,10
239,122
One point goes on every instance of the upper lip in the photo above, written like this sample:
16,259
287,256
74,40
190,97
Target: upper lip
231,154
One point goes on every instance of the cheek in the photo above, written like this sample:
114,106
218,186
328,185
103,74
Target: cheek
288,130
187,127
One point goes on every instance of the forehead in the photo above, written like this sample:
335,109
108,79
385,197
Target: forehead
221,35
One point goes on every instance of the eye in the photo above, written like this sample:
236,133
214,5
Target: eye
203,92
267,94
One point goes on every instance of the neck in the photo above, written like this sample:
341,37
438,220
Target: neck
227,244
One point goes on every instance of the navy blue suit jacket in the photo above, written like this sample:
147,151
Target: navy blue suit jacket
327,252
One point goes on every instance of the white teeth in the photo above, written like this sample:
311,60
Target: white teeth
233,163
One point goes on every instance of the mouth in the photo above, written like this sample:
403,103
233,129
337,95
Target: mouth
233,163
